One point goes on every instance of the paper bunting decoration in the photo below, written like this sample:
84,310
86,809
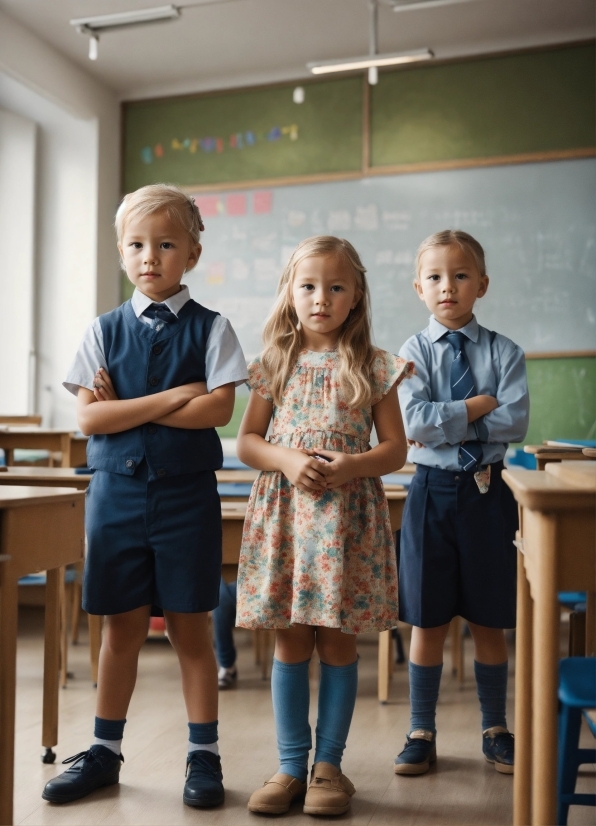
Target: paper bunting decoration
239,140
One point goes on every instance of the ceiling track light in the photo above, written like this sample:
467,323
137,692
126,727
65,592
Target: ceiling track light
94,26
351,64
412,5
373,61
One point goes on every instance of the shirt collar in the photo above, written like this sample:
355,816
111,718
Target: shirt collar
175,303
438,330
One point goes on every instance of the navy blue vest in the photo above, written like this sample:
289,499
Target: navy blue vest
141,361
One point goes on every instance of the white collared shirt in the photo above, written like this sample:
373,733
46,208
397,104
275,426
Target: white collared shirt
224,360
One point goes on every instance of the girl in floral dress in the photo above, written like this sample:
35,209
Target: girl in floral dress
318,561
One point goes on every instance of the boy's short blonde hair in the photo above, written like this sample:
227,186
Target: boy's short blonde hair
179,207
451,237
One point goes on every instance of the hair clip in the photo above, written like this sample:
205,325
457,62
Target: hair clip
201,224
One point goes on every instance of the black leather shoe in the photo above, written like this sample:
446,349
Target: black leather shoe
204,786
90,770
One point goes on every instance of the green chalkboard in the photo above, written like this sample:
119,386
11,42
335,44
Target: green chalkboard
562,399
244,135
487,107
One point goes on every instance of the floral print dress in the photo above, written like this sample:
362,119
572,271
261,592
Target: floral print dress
322,558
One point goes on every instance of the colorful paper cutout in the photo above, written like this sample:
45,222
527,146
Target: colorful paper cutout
216,272
236,204
207,205
262,202
147,154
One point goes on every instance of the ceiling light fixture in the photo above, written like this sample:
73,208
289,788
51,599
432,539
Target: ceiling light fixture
350,64
94,26
410,5
373,61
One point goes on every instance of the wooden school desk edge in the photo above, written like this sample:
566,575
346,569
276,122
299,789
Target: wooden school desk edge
52,536
547,507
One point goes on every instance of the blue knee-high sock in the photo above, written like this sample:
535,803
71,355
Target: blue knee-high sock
491,683
424,693
337,698
291,696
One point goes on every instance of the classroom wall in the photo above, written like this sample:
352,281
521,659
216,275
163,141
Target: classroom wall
77,272
18,151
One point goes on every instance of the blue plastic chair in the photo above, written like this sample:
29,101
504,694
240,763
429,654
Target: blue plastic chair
577,691
520,458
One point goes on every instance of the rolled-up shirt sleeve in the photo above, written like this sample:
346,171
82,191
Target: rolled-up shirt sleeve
509,421
428,422
89,358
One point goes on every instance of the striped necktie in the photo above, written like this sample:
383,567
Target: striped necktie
462,387
161,312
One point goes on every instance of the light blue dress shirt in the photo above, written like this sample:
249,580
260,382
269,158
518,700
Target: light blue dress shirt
440,424
224,360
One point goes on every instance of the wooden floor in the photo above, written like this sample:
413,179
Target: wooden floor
461,789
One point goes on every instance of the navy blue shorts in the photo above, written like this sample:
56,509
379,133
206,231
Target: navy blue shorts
457,556
152,542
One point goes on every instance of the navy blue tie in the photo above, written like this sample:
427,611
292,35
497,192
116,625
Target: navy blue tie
161,312
462,387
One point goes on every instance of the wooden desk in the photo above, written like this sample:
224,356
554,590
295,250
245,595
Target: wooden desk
36,438
590,452
78,450
45,477
556,552
40,529
550,453
236,476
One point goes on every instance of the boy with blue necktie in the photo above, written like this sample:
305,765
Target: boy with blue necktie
467,401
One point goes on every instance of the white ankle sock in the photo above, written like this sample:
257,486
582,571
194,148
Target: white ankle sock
112,745
212,747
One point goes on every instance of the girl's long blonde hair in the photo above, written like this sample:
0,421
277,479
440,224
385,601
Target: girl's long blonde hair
282,336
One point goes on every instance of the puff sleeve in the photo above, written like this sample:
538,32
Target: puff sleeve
388,370
257,379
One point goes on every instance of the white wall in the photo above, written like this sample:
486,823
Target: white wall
77,186
17,223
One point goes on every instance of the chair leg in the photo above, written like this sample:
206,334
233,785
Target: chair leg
569,726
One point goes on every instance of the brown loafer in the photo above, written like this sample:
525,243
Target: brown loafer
276,795
329,791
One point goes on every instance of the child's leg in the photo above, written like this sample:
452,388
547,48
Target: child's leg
425,669
123,636
224,618
330,791
426,666
490,669
337,693
189,635
291,696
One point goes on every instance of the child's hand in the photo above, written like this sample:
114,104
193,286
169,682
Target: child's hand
103,389
303,471
339,470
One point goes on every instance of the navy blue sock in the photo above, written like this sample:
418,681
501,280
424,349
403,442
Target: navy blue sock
108,729
109,733
290,693
491,683
203,737
337,698
424,693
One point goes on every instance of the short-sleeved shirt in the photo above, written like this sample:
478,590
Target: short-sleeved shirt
224,359
440,424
